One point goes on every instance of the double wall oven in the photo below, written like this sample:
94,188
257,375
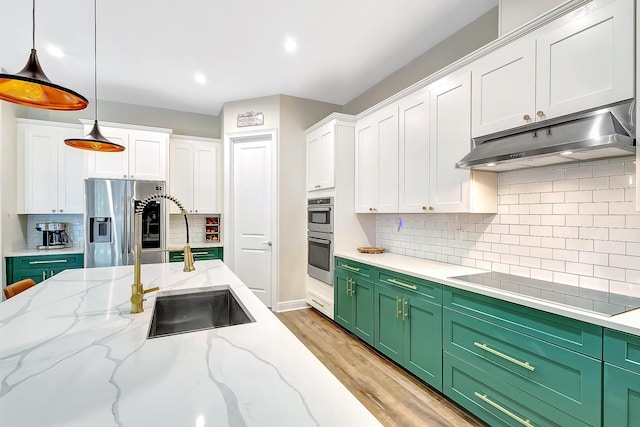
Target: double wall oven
320,239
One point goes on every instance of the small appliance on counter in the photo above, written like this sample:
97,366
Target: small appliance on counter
54,235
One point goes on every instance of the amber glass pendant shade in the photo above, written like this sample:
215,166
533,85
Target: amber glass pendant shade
31,88
94,141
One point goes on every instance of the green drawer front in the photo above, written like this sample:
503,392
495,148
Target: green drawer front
198,254
565,379
495,401
354,267
621,397
431,290
622,350
573,334
54,261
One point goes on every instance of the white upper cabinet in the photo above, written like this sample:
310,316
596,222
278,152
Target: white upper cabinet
320,158
504,88
376,168
51,176
406,154
195,174
580,61
586,61
144,158
414,153
451,189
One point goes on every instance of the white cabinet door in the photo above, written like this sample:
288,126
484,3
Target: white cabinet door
109,165
414,152
450,141
314,161
320,158
386,122
503,84
181,174
586,62
70,174
206,178
148,156
366,167
40,145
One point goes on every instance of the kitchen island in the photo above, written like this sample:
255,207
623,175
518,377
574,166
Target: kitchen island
71,354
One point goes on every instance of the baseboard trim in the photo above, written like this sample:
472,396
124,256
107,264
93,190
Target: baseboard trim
290,305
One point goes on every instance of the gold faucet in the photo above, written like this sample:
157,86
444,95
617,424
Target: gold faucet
137,290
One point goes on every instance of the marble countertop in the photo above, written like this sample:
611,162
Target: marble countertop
71,354
196,245
37,252
442,273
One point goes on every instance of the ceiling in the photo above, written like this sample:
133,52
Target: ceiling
150,50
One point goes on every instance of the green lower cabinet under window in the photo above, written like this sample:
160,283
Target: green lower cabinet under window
199,254
353,301
40,267
409,331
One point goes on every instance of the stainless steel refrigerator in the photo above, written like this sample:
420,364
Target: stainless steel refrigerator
109,222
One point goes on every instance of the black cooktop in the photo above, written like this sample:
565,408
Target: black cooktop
603,303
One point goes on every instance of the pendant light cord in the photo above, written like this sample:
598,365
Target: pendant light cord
33,27
95,54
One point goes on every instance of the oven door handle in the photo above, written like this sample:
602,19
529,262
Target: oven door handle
319,209
321,241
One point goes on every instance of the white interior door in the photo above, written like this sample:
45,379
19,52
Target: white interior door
252,209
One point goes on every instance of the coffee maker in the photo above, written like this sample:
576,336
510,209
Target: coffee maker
54,235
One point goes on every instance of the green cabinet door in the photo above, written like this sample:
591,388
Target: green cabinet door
343,311
621,397
389,334
423,340
362,296
409,331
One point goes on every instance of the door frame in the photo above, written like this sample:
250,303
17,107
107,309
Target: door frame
231,138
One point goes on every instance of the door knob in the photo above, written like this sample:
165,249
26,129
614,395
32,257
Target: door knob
268,242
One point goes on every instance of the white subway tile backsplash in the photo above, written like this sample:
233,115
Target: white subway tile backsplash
574,224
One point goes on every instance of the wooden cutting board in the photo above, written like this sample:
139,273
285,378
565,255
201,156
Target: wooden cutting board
370,250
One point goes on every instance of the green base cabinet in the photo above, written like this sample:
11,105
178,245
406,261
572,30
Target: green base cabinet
408,330
621,397
198,254
40,267
621,379
497,402
353,298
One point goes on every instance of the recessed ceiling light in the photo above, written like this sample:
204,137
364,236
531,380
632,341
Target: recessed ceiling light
55,51
566,153
200,78
491,164
290,45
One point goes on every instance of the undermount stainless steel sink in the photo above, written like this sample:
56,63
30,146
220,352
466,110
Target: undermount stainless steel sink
178,312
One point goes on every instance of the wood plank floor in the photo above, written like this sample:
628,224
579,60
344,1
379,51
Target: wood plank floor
391,394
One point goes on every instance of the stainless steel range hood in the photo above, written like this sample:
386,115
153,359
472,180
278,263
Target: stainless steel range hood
595,134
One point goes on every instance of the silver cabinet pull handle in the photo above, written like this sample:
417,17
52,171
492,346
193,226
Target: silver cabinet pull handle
397,282
56,261
44,275
317,302
349,267
503,410
198,253
504,356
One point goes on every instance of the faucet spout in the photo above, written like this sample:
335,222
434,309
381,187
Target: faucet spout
137,289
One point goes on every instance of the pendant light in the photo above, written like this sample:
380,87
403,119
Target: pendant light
31,87
94,141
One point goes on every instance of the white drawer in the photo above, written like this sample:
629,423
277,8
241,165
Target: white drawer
320,303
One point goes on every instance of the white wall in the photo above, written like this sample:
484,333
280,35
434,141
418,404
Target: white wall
472,37
574,224
515,13
12,227
181,122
